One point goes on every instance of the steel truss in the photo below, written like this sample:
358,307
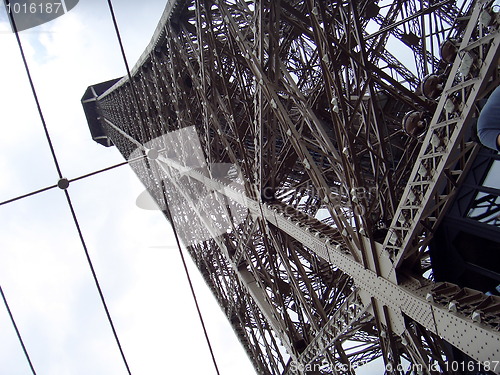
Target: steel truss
272,130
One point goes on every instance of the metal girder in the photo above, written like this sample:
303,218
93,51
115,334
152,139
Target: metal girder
351,312
403,299
422,199
290,114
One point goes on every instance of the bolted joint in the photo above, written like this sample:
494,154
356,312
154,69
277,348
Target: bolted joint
63,183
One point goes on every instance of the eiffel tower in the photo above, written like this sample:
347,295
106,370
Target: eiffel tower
318,161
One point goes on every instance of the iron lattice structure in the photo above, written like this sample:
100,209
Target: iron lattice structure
279,138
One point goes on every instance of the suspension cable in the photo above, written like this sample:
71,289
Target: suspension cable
134,93
35,96
188,276
17,331
73,213
96,281
94,275
70,181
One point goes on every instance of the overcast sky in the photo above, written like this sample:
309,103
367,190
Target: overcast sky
43,270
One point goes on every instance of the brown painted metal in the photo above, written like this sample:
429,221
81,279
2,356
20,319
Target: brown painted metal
306,99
